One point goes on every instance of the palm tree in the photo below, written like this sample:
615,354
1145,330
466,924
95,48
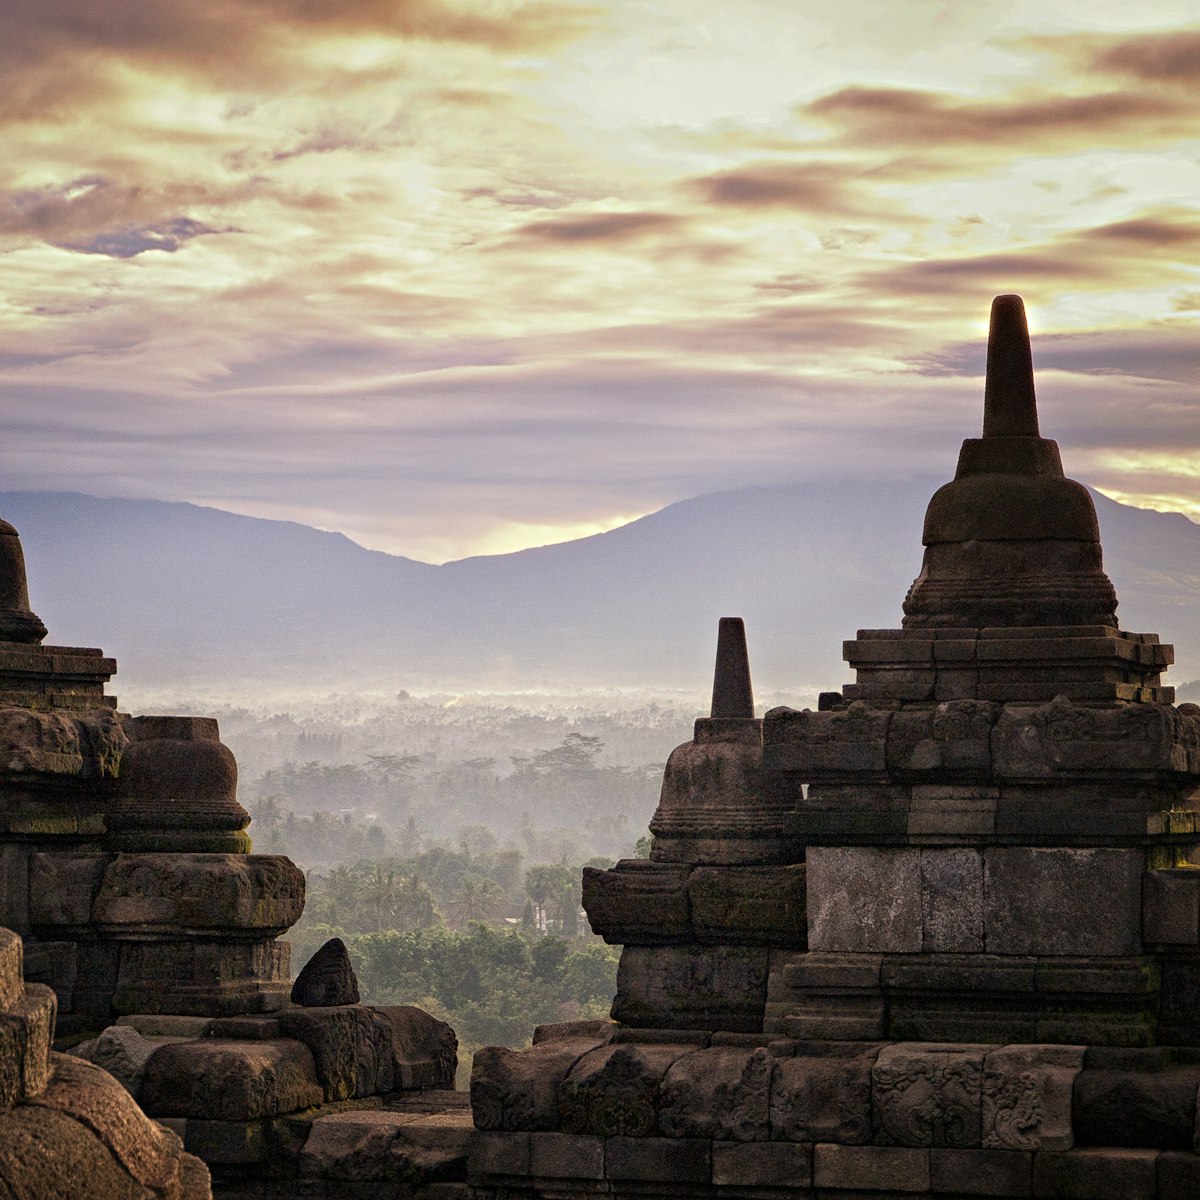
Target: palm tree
477,899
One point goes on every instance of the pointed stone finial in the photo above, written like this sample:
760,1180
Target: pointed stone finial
18,623
732,694
1009,405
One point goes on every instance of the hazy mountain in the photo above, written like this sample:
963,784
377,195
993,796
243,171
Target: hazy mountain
203,599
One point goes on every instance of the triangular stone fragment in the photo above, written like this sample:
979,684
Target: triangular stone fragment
327,978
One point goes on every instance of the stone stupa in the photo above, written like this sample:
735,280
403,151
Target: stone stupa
966,959
126,867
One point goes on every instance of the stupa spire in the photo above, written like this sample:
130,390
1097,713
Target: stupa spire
1009,403
732,694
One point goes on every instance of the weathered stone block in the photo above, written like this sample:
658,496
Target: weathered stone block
853,739
1027,1093
761,1164
1178,1176
122,1052
168,1025
12,983
63,888
895,683
749,905
383,1146
1137,1098
251,1029
1171,907
952,900
692,987
1062,901
230,1143
863,899
214,977
424,1049
929,1094
98,964
498,1154
871,1168
1096,1174
174,894
566,1156
720,1092
14,886
351,1047
40,743
613,1090
1063,737
26,1028
229,1081
658,1160
823,1094
518,1089
981,1172
638,901
601,1031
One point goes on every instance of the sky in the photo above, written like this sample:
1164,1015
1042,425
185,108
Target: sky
462,276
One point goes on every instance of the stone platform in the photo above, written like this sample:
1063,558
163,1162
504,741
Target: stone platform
679,1113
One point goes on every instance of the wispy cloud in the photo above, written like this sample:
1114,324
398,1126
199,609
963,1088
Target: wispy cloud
513,265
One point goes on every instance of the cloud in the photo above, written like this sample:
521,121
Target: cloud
932,123
1164,353
132,241
604,228
808,186
1107,257
1170,58
94,215
58,55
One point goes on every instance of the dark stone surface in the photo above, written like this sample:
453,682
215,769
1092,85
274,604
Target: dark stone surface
327,978
220,1079
1142,1099
424,1049
352,1047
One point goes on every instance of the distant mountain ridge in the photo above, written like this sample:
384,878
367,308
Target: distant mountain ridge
197,598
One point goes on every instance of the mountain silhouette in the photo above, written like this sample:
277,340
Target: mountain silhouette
203,600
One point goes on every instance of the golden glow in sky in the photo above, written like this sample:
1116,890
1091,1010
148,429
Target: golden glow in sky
457,277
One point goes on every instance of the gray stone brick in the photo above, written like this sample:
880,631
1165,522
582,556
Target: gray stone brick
1062,901
871,1168
1178,1176
566,1156
1103,1174
981,1172
759,1164
952,900
1171,907
680,987
658,1160
498,1154
864,899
